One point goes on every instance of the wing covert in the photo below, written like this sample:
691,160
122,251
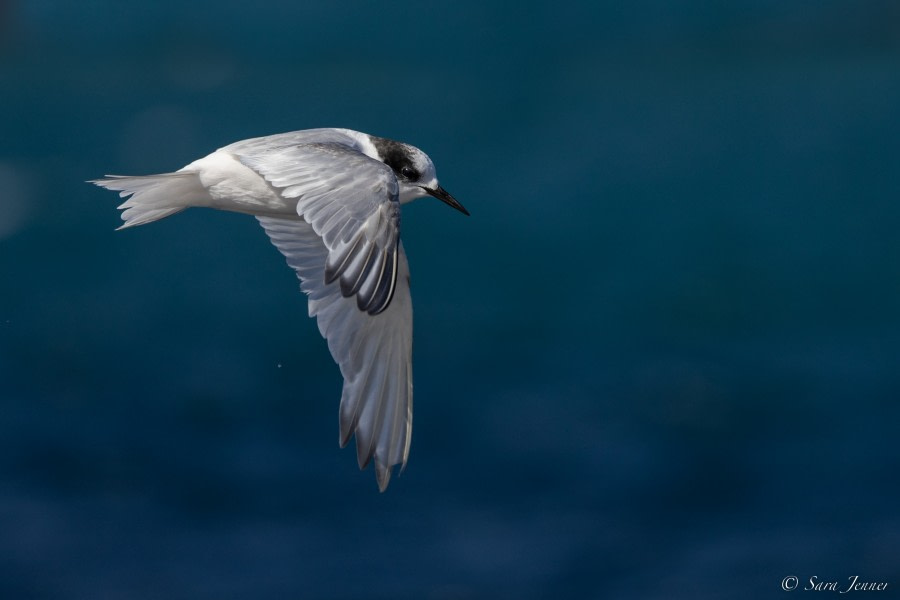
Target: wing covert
351,201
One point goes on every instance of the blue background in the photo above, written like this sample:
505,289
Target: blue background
660,360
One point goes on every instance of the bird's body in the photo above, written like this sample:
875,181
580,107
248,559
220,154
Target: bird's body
329,199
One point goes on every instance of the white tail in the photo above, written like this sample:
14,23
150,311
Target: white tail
154,197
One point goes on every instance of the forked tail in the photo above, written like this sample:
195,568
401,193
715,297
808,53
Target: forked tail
154,197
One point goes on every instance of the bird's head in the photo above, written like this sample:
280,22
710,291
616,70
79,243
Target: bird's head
414,170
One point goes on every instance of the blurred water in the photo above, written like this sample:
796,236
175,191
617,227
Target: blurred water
659,360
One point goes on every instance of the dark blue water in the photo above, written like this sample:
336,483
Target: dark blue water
660,360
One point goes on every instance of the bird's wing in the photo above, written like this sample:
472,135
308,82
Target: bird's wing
374,352
294,138
352,213
352,204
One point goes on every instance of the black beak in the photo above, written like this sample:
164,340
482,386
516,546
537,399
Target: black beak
442,195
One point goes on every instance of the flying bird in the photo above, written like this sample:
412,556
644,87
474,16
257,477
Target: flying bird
329,200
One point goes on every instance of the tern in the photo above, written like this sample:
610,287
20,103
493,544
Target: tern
329,200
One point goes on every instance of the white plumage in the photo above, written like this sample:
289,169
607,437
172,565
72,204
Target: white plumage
329,199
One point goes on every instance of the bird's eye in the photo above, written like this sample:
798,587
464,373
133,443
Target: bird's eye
409,173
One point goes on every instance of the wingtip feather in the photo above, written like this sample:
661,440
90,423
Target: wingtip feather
383,476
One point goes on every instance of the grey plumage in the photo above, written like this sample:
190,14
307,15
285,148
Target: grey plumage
329,200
